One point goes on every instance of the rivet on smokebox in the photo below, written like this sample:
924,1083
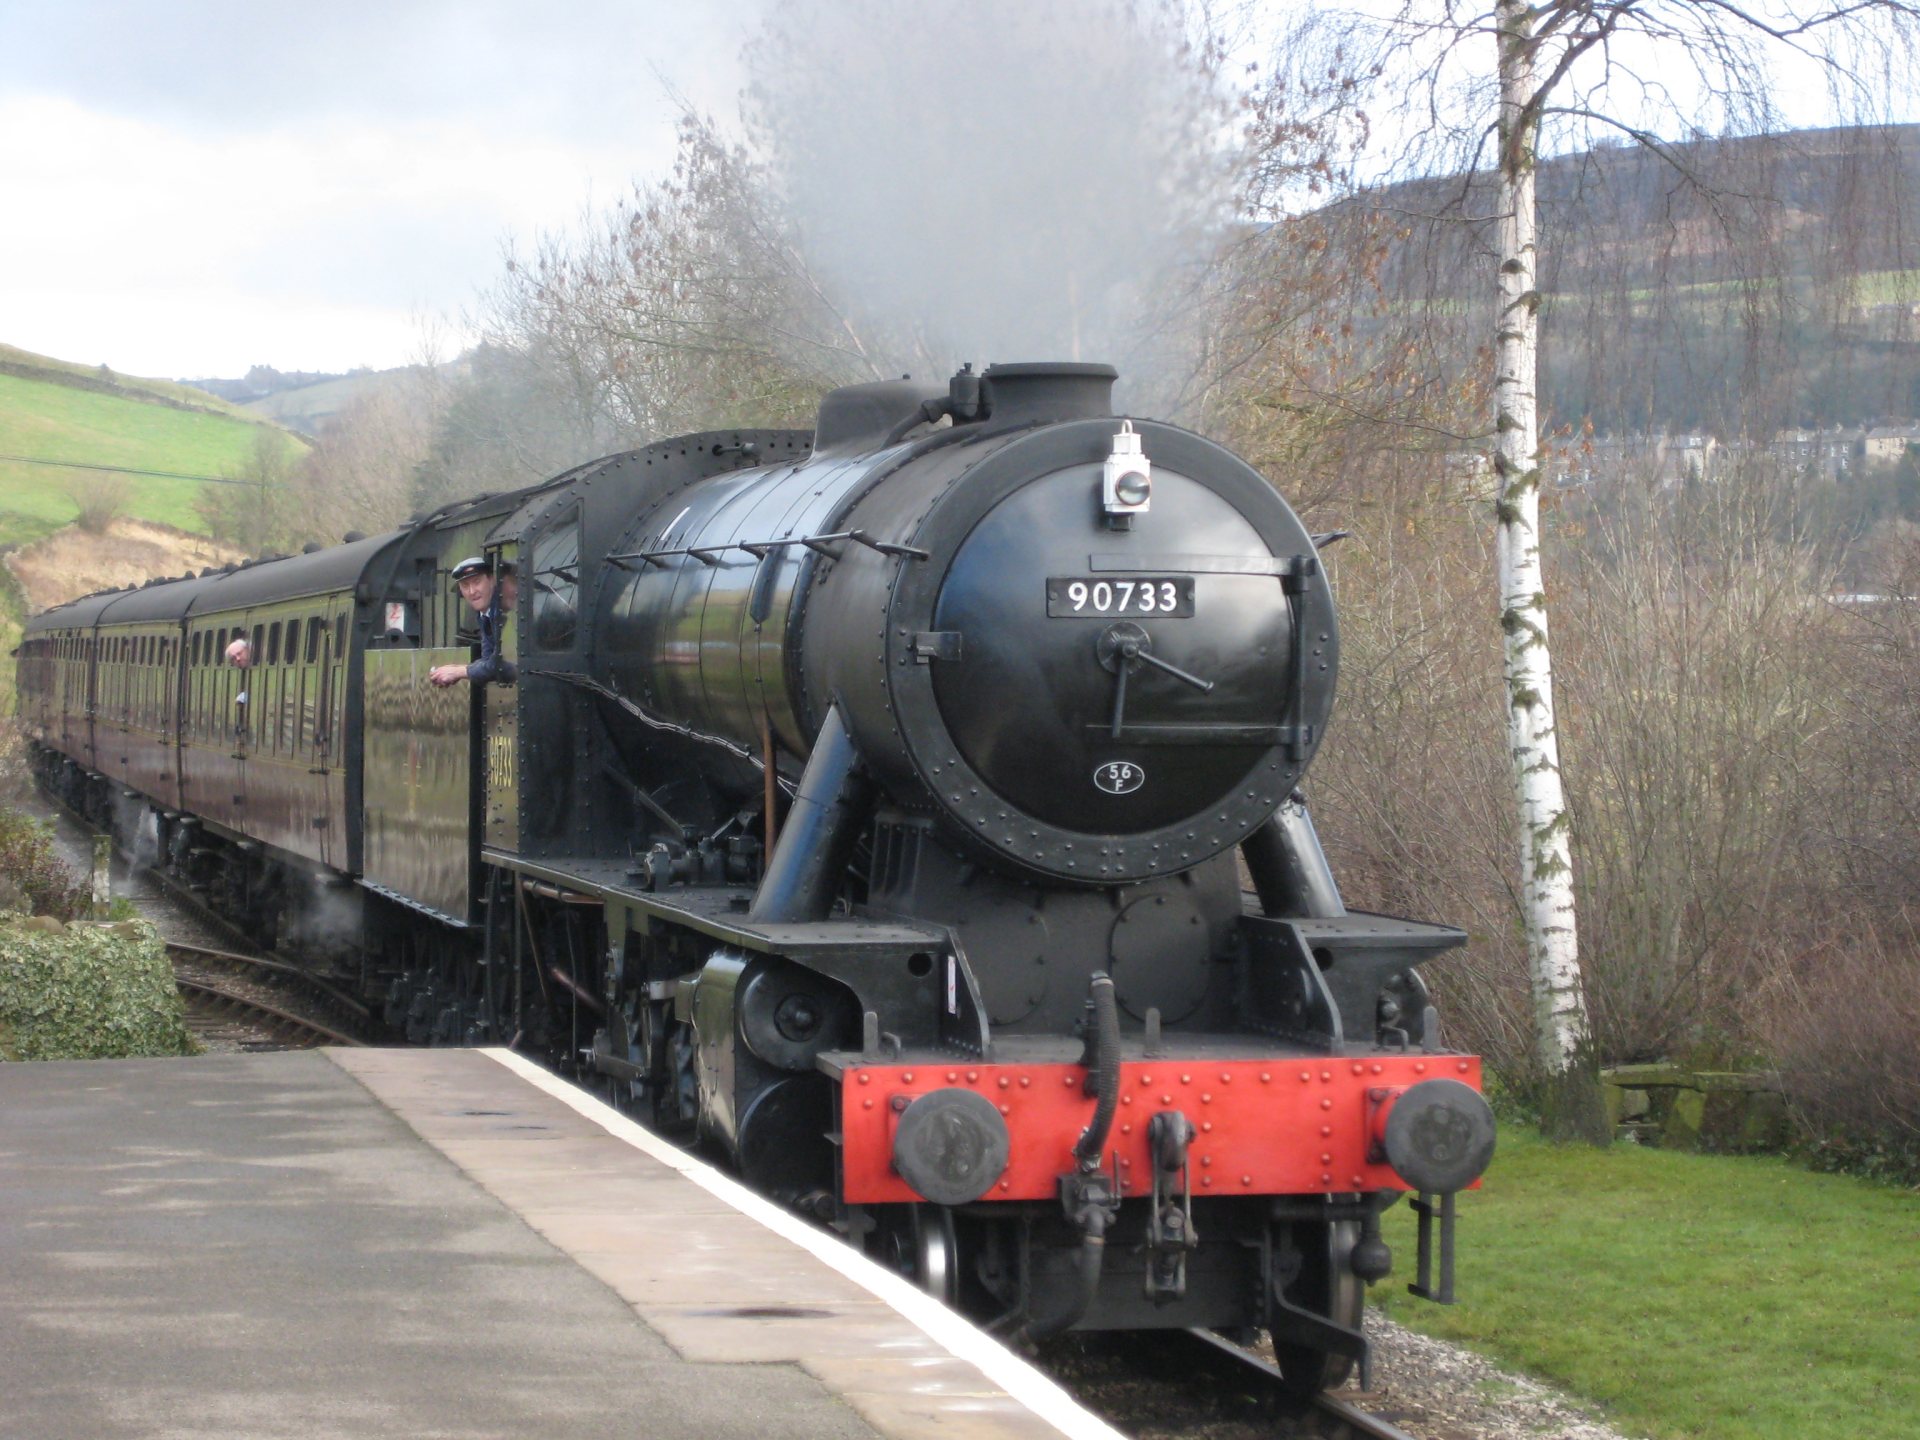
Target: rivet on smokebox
1326,1104
900,1102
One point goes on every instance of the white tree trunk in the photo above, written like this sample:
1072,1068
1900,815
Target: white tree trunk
1546,863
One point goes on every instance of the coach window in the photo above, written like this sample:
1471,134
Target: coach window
313,639
556,582
273,643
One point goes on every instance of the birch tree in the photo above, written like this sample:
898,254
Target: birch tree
1470,82
1546,857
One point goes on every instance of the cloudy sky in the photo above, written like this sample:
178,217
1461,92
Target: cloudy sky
190,189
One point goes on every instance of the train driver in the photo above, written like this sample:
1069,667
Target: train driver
493,602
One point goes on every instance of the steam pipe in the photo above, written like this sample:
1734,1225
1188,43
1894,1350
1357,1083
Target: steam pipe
809,859
1093,1257
1103,1062
1289,869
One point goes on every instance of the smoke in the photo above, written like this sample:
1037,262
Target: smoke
1002,180
324,916
136,830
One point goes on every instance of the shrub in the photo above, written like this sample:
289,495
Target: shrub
87,992
27,859
1839,1023
101,499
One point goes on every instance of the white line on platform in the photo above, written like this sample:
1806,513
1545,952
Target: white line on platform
941,1325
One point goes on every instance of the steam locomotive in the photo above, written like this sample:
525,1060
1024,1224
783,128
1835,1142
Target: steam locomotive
871,806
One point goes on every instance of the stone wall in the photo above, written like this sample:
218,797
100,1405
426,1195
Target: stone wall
1682,1109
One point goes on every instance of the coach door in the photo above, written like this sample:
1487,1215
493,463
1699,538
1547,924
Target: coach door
241,706
499,714
316,738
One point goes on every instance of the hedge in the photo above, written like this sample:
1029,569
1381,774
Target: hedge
87,992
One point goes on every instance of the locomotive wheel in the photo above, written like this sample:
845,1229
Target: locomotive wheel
919,1242
936,1253
1324,1283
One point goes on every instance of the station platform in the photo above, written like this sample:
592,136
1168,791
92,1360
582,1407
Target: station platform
443,1243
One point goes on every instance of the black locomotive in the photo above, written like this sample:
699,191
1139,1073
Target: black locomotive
871,805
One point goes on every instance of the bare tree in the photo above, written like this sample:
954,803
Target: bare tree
258,508
360,474
1458,75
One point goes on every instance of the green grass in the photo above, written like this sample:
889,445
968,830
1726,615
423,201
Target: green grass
49,421
62,370
1728,1298
47,415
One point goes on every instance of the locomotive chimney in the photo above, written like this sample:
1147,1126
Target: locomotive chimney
1049,390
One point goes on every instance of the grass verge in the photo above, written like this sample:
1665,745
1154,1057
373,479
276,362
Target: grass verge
1719,1297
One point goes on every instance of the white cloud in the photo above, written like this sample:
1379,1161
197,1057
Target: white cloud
302,189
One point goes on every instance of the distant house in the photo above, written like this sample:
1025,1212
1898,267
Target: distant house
1816,454
1883,445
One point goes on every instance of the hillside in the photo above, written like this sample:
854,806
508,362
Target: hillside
306,407
1717,281
52,411
99,379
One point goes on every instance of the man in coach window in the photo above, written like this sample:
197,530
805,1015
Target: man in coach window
239,654
492,600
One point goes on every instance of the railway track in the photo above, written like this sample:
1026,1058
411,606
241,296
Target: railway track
287,1030
1169,1385
228,985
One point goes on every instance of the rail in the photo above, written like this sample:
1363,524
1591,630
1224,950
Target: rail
294,1027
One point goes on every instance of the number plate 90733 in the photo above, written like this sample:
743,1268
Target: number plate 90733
1075,597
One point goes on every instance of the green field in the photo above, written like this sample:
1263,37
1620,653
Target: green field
1727,1298
47,414
43,420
